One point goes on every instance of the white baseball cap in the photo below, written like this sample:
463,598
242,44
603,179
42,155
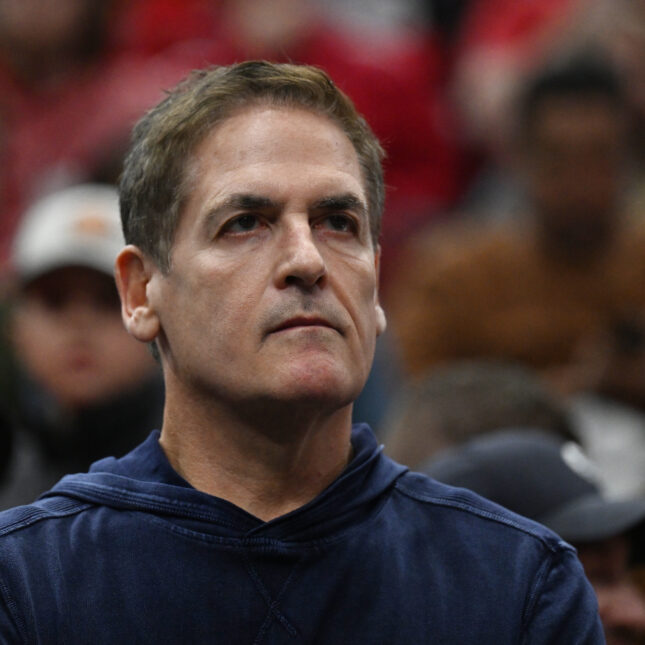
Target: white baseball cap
76,226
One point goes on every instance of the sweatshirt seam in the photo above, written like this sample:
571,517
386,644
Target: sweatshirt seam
135,500
30,517
36,515
534,594
242,542
466,506
141,502
14,612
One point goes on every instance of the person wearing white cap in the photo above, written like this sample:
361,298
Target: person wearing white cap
84,386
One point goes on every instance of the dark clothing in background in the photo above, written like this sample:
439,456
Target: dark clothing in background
47,444
131,553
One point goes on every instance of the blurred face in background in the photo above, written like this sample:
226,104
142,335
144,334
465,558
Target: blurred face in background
36,35
574,165
69,338
267,28
621,603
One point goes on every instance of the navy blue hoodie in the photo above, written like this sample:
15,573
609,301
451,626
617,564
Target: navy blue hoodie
131,553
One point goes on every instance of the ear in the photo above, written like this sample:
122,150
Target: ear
381,321
133,272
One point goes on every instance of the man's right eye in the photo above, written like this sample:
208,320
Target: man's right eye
242,224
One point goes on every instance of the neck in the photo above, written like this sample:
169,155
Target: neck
267,464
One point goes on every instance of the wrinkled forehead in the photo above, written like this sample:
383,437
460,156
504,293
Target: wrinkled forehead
294,140
278,115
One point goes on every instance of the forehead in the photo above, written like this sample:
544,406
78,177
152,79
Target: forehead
275,146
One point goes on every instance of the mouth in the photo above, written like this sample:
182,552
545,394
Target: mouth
303,321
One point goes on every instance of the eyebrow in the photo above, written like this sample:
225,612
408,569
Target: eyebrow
346,201
243,201
238,201
250,202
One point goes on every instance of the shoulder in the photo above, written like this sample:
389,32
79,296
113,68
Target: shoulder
32,541
31,516
461,508
471,543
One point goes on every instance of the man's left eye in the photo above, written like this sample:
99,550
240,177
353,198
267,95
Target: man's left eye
340,222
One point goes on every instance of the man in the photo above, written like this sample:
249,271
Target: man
552,481
251,202
82,388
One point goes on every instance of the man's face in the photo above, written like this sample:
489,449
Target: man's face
575,160
272,290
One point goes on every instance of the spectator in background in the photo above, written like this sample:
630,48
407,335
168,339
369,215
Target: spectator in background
553,482
85,388
68,98
450,405
562,291
501,43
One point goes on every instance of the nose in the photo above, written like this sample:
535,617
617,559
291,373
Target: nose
79,313
300,262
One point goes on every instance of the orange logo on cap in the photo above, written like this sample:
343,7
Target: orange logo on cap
92,224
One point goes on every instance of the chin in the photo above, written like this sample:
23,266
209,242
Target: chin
82,395
316,385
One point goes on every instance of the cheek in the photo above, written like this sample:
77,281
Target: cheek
360,291
210,314
34,338
115,344
231,293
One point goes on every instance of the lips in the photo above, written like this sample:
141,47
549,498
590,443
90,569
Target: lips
303,321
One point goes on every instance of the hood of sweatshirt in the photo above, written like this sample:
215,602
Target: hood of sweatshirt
143,480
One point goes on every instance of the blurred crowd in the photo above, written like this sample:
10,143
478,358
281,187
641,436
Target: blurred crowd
513,248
